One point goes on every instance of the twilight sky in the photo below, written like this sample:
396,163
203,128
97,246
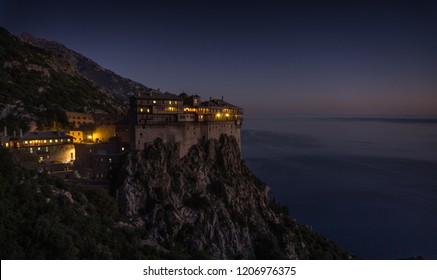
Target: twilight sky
302,57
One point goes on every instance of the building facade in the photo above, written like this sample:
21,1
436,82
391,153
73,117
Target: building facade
45,146
181,119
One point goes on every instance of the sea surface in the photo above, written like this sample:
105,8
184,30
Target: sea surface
368,184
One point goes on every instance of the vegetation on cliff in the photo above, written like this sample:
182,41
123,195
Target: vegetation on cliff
206,205
43,218
209,203
38,85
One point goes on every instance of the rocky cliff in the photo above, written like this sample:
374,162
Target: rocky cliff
209,204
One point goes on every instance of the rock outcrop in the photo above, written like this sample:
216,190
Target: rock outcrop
208,203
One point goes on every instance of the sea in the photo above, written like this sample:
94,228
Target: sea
367,183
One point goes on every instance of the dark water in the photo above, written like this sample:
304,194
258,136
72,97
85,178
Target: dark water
368,184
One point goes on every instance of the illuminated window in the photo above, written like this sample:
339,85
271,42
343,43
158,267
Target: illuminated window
175,102
154,101
148,110
31,150
122,148
169,102
39,149
141,110
56,140
47,149
25,142
51,141
110,160
45,141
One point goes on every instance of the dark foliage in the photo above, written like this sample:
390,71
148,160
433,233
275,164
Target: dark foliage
39,221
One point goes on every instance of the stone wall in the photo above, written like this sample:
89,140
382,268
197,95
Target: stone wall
186,134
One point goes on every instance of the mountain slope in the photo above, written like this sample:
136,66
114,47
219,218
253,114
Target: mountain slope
112,83
37,85
209,203
43,218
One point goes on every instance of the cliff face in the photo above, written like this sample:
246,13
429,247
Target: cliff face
209,203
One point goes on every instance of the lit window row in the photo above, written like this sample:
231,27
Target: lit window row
161,101
32,142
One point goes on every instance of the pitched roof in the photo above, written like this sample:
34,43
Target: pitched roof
45,135
218,103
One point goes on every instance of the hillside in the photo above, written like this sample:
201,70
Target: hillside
43,218
37,85
112,83
207,205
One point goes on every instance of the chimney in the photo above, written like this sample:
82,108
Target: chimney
6,131
21,133
222,97
210,98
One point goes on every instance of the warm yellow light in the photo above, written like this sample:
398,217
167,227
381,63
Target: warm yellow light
227,115
154,101
45,141
218,115
90,137
56,140
169,102
141,110
25,142
148,110
51,141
